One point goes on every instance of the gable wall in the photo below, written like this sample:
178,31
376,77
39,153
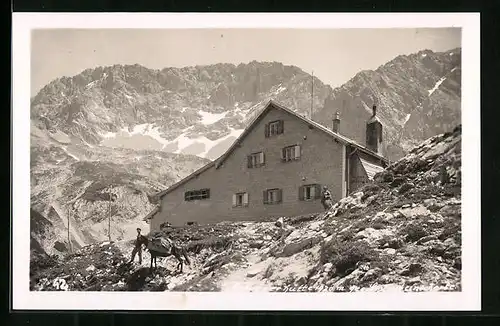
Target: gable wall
321,162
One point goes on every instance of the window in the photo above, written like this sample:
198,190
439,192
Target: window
309,192
240,199
256,160
290,153
197,194
272,196
274,128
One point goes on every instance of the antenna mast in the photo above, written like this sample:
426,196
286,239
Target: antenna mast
312,95
69,238
109,214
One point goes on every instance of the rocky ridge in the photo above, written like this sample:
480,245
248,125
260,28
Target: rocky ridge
402,232
193,110
418,96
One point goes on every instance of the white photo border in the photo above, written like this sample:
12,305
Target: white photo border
468,299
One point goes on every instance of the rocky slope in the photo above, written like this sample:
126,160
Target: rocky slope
418,96
72,181
402,232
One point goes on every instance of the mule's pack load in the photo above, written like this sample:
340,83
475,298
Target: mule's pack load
160,244
163,247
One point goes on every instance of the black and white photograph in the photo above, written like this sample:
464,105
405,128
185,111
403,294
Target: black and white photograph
246,164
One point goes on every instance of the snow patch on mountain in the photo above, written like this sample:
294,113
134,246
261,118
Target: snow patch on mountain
60,137
208,118
279,89
144,129
439,82
108,135
201,146
87,144
366,107
70,154
407,118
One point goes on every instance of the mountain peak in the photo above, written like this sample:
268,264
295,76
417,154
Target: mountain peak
418,95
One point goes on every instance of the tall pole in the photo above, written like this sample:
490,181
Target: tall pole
69,238
312,94
109,218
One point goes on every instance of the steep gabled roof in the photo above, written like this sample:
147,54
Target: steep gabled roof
151,214
270,105
370,168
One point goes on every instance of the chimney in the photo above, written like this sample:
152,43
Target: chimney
336,123
374,133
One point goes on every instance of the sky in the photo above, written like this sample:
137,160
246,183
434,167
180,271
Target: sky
334,55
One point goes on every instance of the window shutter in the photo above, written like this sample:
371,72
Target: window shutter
245,199
266,130
281,127
249,161
301,193
280,195
262,158
317,191
297,152
264,196
234,200
283,154
313,192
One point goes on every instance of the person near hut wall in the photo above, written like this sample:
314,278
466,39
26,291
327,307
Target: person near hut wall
138,246
326,198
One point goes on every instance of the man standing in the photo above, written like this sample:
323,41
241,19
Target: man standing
139,241
326,198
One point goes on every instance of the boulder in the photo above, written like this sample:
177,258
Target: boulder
412,269
435,247
371,275
405,187
253,272
291,249
414,211
384,177
426,239
390,251
60,246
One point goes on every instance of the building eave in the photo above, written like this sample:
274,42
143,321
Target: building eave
151,214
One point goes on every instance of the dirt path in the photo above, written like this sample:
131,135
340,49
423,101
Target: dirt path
247,278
